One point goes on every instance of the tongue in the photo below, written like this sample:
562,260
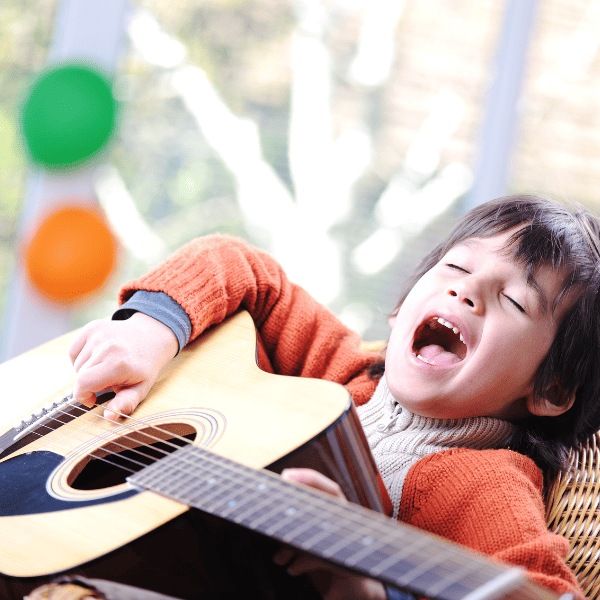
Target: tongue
439,355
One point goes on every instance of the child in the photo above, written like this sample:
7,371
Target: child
490,375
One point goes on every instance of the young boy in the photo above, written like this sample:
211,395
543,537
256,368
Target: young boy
490,374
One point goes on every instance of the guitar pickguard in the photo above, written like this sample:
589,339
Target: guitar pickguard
23,488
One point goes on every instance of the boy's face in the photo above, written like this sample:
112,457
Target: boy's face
495,330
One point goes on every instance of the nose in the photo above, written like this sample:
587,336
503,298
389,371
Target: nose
469,291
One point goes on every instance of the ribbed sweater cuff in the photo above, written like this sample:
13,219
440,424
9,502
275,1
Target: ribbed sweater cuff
161,307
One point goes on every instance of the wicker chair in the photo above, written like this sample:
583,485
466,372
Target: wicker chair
572,511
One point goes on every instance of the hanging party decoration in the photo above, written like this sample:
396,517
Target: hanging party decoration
71,253
68,116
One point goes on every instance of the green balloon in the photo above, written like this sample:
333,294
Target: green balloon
68,116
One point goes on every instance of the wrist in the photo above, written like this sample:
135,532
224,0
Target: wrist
161,334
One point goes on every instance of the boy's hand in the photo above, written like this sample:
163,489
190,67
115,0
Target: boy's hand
125,356
331,583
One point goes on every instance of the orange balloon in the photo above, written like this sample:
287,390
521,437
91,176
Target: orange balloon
71,254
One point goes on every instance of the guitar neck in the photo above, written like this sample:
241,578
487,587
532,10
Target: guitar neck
345,534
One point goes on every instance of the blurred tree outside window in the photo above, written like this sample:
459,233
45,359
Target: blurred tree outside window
337,135
340,135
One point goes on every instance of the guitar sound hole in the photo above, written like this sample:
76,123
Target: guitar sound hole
110,464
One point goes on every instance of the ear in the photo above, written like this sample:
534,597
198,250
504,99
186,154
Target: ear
552,403
392,321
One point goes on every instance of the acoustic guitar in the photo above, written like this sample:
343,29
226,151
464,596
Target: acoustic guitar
76,486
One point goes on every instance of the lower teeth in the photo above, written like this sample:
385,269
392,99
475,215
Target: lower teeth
425,360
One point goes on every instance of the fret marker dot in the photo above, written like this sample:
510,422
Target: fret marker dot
290,511
231,503
367,540
261,486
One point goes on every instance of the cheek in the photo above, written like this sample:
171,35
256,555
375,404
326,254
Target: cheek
413,303
519,355
536,341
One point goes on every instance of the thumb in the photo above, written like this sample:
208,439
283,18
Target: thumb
125,402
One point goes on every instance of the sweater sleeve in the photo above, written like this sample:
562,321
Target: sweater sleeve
214,276
490,501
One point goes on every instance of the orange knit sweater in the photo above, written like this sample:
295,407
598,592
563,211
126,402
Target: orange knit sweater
488,500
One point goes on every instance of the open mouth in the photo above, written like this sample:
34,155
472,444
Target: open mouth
439,342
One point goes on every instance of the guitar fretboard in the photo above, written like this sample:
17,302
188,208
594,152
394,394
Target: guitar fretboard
342,533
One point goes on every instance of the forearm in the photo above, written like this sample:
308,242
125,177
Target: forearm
213,277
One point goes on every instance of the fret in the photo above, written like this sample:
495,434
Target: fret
370,560
350,543
347,551
285,530
214,501
271,520
374,550
456,591
313,525
239,502
203,497
441,576
255,492
255,501
278,509
258,514
331,539
397,564
406,571
451,582
290,518
422,560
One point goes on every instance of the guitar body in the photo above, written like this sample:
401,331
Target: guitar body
57,514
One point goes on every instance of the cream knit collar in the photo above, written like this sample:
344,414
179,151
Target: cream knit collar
399,438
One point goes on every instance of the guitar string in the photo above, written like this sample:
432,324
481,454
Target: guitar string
234,472
56,443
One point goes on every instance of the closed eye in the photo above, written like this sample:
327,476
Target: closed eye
515,303
456,267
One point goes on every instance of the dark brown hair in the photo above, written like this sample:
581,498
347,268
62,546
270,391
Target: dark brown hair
568,241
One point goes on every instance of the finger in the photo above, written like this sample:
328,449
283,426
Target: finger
283,555
80,340
77,345
314,479
87,400
93,380
82,358
304,563
124,402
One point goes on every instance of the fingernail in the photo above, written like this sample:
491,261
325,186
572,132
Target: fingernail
110,414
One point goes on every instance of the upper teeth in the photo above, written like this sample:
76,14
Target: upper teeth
450,326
